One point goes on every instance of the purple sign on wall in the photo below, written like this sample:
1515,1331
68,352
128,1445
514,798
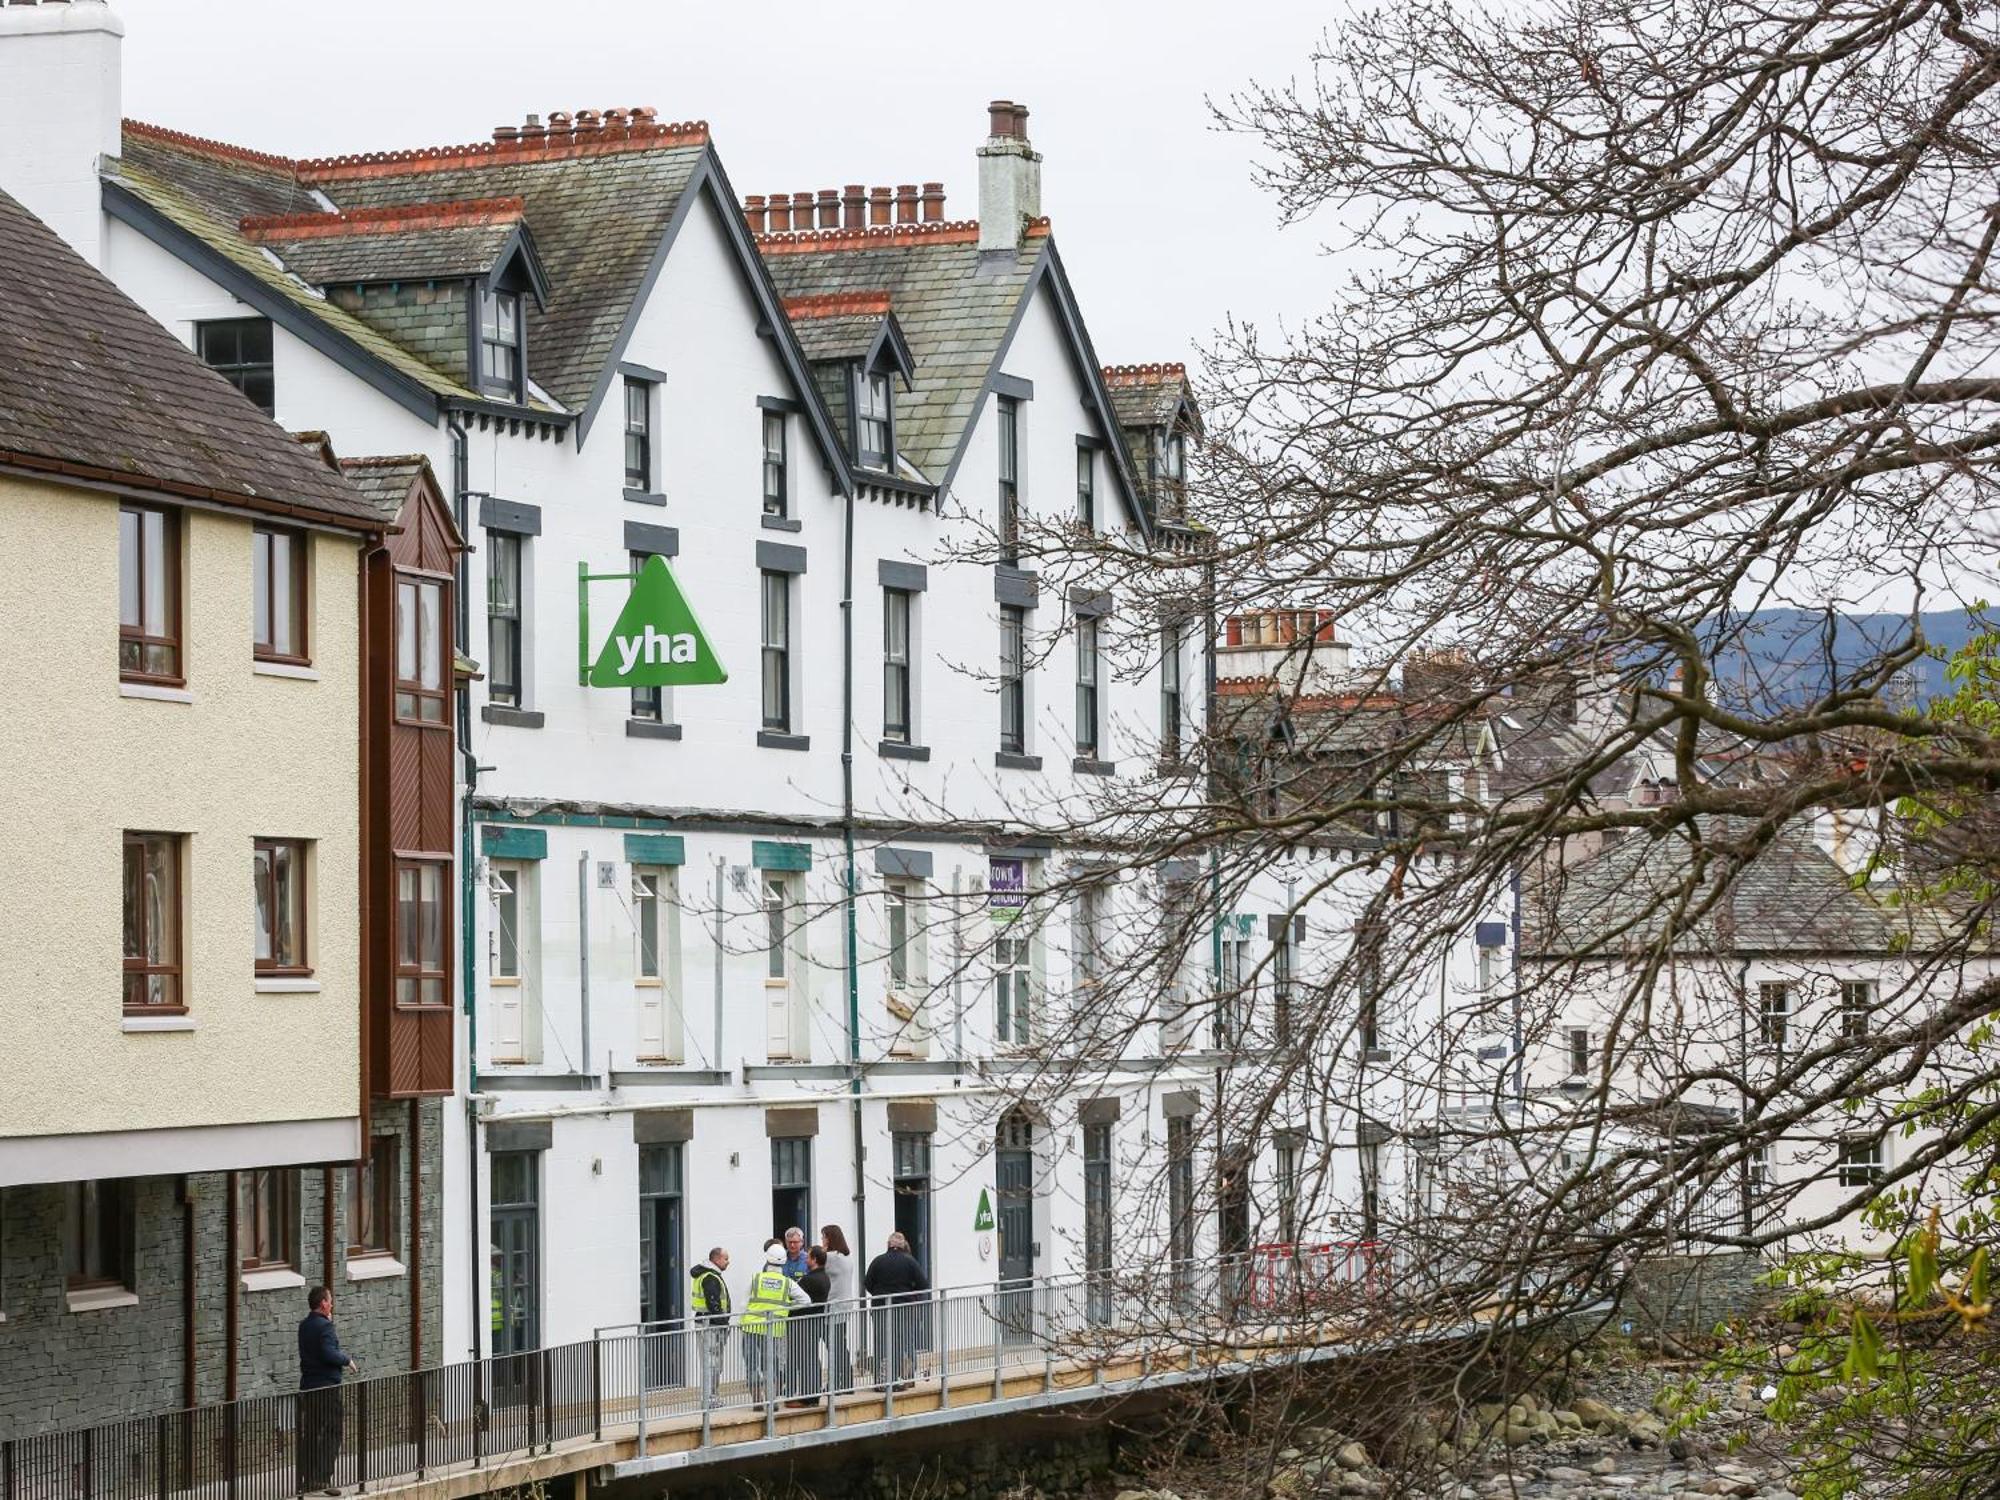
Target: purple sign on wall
1006,885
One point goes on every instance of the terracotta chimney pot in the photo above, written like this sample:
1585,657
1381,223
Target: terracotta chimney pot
829,208
781,213
933,202
878,206
906,203
754,213
853,206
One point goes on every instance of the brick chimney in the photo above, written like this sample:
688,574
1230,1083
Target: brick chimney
59,112
1010,177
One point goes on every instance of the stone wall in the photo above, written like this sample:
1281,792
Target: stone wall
60,1368
1690,1294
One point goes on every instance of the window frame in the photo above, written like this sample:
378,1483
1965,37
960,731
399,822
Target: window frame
639,435
265,853
1855,1018
508,902
485,362
171,583
648,705
1086,486
88,1207
239,371
506,561
1578,1038
1008,440
777,903
1173,706
777,465
1013,676
263,553
1852,1169
898,667
655,887
370,1188
254,1215
413,689
775,656
173,968
415,971
1089,687
868,384
1774,1022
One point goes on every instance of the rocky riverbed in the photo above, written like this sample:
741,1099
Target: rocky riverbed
1616,1443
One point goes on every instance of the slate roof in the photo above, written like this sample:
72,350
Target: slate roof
458,252
837,338
597,211
88,380
597,221
954,305
207,195
387,480
1150,395
1790,898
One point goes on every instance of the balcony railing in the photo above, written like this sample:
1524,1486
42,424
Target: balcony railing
631,1381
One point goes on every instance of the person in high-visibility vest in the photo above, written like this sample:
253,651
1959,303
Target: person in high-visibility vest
773,1295
708,1300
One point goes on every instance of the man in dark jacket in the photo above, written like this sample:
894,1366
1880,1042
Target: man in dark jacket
321,1364
709,1300
898,1286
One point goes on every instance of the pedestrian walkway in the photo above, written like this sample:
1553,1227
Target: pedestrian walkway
638,1399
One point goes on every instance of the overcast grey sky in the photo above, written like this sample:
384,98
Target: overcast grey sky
1159,223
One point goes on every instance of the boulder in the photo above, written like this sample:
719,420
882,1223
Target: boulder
1287,1484
1489,1413
1517,1414
1352,1456
1528,1402
1594,1413
1517,1436
1605,1465
1645,1431
1568,1421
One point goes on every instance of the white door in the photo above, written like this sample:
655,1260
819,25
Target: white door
650,896
506,887
778,966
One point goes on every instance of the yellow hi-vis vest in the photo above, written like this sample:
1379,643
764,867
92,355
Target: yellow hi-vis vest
770,1302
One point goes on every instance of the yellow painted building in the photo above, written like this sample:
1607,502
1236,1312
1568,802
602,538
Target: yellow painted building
226,1065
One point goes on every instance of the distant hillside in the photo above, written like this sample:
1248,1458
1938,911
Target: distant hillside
1786,655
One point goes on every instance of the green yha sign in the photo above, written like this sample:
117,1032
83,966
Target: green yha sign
656,642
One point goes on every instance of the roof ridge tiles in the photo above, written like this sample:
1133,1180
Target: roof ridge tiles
383,460
874,237
379,218
208,147
838,304
601,142
1150,374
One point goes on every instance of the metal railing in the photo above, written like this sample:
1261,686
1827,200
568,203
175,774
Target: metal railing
635,1379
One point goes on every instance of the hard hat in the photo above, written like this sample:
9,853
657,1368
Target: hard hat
775,1256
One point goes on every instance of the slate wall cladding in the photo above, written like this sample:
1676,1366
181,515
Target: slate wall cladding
429,318
63,1369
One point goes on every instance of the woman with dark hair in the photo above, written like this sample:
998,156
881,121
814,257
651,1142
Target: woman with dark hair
809,1330
844,1309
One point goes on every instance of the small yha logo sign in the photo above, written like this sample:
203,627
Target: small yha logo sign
656,642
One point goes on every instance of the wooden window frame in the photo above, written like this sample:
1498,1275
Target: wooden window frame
368,1188
491,382
1009,441
648,703
417,970
412,689
1086,486
867,382
1089,685
140,967
1013,677
653,886
112,1198
1774,1024
300,851
261,540
284,1217
170,575
1172,689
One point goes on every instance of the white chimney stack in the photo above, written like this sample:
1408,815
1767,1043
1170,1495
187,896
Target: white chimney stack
1010,177
59,112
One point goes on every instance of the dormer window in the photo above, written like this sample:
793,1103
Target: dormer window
500,343
874,427
1173,474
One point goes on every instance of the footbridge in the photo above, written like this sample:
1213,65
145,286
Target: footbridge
647,1399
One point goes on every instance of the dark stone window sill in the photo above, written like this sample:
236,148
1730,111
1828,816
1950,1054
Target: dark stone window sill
645,497
651,729
1085,765
520,718
783,523
897,750
771,740
1376,1054
1009,760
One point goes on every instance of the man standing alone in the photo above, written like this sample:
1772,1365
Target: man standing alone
321,1364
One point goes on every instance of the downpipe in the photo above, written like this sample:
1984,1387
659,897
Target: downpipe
461,508
853,884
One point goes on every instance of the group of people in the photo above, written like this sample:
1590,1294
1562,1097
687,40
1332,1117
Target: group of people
803,1331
